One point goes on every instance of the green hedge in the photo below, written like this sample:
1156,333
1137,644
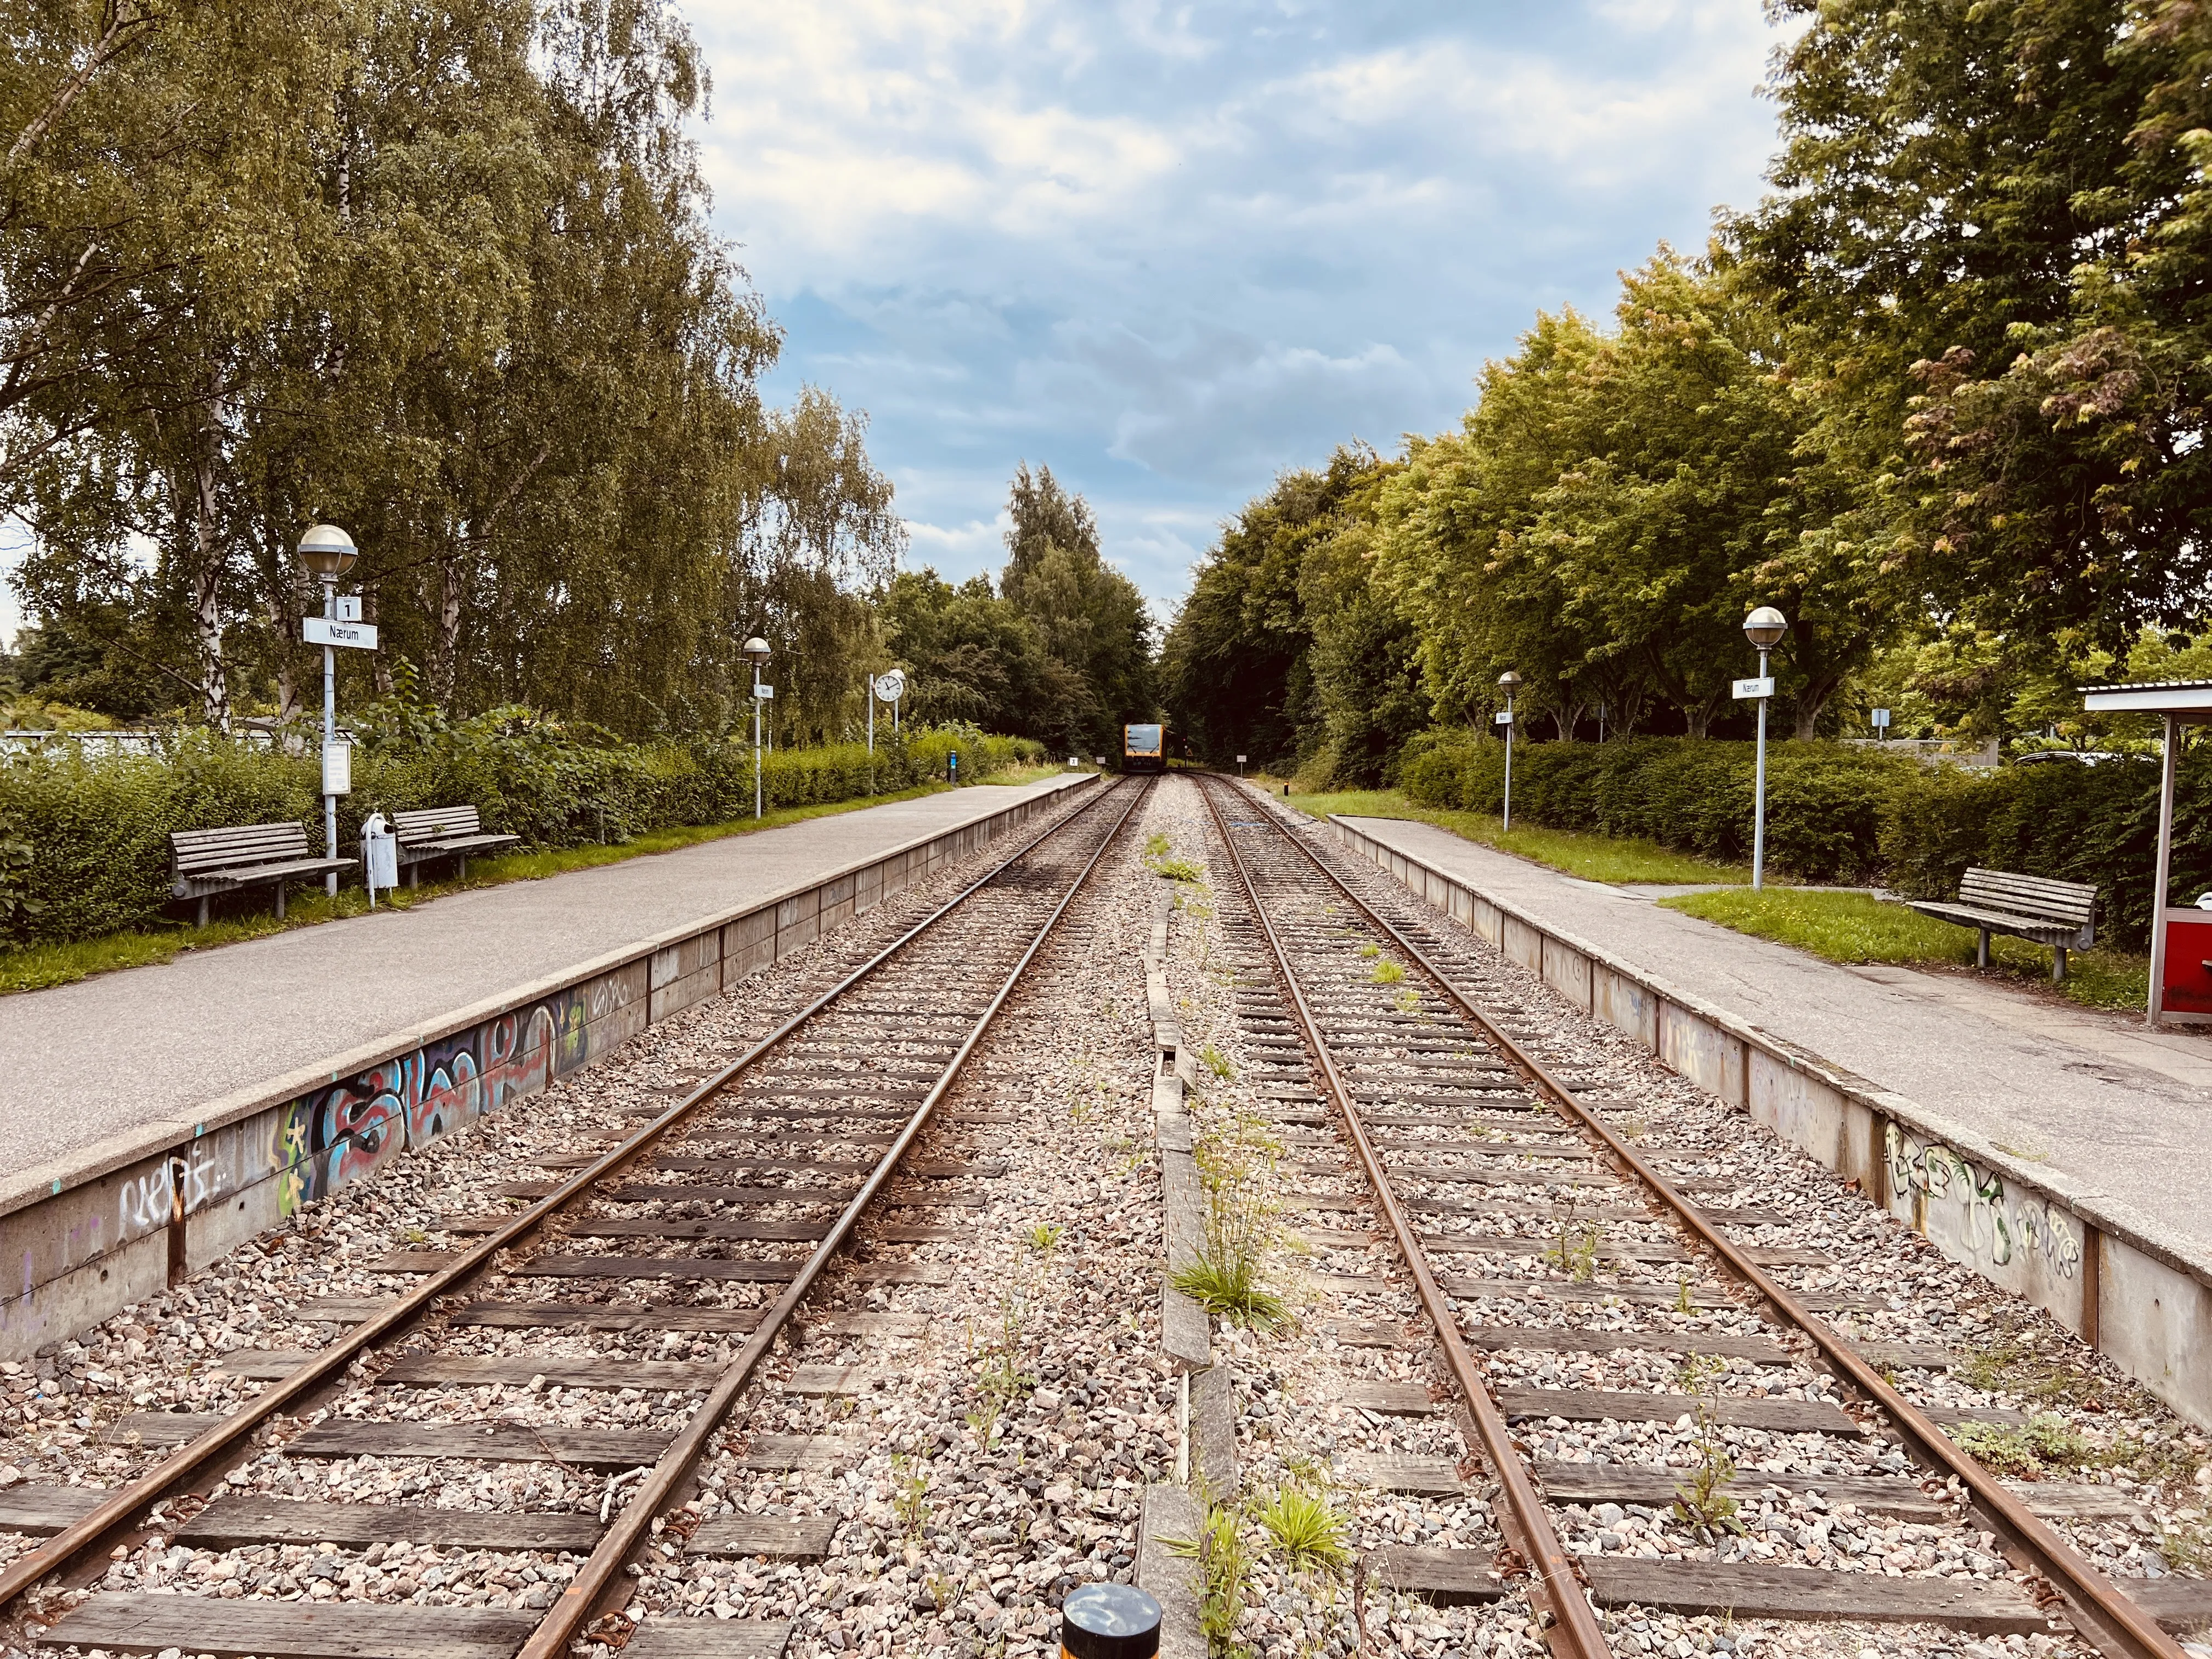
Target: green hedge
97,829
1846,815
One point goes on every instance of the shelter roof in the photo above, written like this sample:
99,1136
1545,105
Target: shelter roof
2185,700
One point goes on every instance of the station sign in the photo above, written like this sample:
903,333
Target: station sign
1759,688
325,630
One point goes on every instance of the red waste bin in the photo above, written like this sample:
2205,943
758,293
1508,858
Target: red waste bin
2188,987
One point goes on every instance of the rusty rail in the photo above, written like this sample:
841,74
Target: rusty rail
2105,1615
1571,1625
176,1473
602,1575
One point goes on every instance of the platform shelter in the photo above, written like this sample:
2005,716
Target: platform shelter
2180,940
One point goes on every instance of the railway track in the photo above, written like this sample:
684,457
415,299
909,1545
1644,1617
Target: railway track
1537,1237
713,1218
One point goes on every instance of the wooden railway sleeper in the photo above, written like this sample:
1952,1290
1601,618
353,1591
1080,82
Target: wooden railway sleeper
2107,1618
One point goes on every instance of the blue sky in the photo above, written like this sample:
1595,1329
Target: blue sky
1171,250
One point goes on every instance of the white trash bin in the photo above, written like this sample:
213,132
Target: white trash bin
379,855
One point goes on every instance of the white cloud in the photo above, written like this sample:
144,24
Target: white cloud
1173,248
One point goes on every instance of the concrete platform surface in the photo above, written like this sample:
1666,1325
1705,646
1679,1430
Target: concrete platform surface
2125,1111
83,1063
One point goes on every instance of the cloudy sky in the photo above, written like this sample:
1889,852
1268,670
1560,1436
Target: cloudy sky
1171,250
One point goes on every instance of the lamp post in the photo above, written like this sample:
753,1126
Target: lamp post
756,650
328,553
1763,628
1509,683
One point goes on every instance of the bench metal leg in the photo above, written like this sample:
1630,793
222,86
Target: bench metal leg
464,867
414,875
280,900
202,922
1982,949
2059,964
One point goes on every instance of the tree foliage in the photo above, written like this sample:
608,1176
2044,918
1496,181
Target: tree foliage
1059,648
1941,397
443,277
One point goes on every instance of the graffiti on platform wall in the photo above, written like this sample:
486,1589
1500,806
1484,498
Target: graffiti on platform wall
1992,1224
341,1133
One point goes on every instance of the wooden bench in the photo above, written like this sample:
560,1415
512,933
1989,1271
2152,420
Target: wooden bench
2060,914
442,832
205,862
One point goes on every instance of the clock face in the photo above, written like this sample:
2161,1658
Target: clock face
891,686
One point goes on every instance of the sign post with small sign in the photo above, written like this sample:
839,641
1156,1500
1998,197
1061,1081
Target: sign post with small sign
328,553
1879,718
1509,683
1763,628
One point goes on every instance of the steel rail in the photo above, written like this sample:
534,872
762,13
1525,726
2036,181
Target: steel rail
1573,1631
603,1572
178,1469
2112,1621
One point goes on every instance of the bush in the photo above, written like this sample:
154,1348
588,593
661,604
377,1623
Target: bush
1844,815
97,827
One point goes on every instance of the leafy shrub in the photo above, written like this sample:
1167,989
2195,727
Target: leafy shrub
1841,814
97,825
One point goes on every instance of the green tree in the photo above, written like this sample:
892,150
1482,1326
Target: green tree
1612,507
1990,247
1089,617
1237,669
442,277
972,656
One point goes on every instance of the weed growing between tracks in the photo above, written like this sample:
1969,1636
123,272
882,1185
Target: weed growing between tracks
1305,1528
1574,1251
1236,1168
1701,1497
1225,1564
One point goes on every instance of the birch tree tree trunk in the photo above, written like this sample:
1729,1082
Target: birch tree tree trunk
207,562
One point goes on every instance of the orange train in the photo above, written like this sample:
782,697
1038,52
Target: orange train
1144,749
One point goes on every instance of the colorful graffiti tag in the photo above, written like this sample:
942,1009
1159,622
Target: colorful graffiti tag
336,1135
1992,1225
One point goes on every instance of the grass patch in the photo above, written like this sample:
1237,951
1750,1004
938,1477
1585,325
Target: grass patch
1613,859
1858,927
40,967
1306,1530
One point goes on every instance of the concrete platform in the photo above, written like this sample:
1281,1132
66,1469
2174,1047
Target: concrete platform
84,1064
2061,1152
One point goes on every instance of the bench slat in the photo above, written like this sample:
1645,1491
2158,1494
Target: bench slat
190,885
461,844
2039,929
259,835
2033,896
200,852
437,823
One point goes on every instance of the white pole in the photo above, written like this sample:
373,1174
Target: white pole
868,689
1508,824
1758,795
756,735
329,735
2157,1002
